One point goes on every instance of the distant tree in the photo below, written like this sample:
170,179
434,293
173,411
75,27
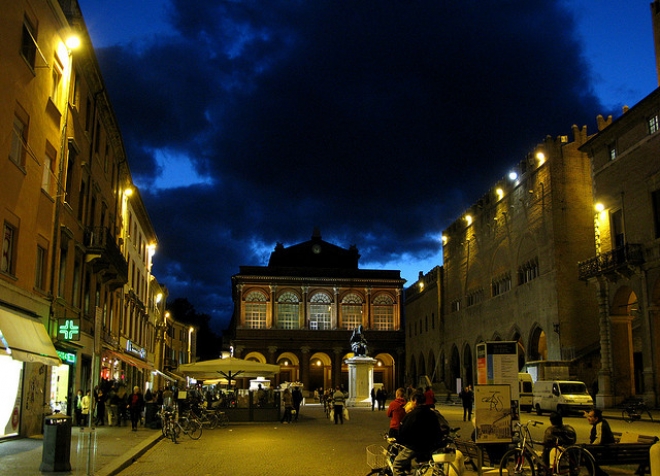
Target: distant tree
208,342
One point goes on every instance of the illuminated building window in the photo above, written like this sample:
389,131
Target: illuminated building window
383,312
456,305
351,311
319,312
288,310
653,124
255,310
612,151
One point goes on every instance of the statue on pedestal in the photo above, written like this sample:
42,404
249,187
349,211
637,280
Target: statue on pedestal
358,342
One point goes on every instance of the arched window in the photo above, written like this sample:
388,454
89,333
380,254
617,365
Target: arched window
288,310
320,312
383,312
255,310
351,311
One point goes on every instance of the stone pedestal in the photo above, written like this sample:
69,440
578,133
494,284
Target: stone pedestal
360,381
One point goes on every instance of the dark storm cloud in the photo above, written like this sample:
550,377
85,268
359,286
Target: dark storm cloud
378,121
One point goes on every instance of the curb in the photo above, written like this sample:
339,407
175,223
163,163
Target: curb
129,457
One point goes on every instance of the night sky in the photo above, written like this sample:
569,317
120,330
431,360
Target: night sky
249,123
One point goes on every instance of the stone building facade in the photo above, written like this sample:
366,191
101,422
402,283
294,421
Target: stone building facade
510,272
300,311
624,266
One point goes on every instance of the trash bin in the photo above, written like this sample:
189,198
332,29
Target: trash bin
57,443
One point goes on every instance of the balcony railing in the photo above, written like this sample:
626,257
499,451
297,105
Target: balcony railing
619,262
105,257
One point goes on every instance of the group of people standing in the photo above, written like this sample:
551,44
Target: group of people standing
123,406
378,397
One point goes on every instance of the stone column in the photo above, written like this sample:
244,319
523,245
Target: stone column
604,398
336,365
304,368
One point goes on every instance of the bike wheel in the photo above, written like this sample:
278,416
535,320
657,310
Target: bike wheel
516,462
194,429
223,419
174,431
626,416
576,461
649,414
212,420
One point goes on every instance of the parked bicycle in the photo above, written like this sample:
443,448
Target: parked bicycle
443,461
634,411
524,460
209,418
173,425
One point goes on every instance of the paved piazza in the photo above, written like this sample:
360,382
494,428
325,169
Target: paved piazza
313,446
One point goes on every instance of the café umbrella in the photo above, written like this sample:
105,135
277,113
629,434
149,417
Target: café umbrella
229,368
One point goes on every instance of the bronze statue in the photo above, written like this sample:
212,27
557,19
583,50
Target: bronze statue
358,342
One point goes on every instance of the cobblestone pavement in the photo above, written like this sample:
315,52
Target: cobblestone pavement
313,445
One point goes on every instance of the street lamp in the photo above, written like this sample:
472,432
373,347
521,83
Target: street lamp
190,331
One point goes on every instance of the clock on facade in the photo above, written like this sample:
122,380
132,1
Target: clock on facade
316,249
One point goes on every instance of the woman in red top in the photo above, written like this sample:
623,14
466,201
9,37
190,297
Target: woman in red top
396,412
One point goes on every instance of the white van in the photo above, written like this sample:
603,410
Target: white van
562,396
526,392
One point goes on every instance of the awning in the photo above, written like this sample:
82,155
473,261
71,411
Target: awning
26,339
156,371
135,362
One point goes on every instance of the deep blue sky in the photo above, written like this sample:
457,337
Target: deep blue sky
249,123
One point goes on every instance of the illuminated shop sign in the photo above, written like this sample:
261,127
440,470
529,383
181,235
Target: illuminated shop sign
68,329
67,357
136,349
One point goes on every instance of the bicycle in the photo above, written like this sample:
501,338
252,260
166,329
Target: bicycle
524,460
381,459
173,426
634,410
443,460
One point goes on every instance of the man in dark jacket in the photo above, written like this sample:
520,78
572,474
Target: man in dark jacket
420,434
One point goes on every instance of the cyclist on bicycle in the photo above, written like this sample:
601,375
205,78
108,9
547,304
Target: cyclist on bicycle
420,433
557,433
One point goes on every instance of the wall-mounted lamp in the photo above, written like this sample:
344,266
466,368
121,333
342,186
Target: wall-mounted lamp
513,176
468,219
599,207
540,156
500,193
445,239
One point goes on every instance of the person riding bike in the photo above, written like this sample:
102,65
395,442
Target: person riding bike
420,433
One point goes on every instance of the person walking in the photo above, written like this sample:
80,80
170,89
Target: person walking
100,407
396,411
381,395
429,396
86,404
338,399
287,399
135,406
373,399
467,397
297,397
78,407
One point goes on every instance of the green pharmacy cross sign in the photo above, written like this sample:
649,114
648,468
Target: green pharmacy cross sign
68,329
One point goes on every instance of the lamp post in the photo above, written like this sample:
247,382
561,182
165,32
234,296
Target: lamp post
190,331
